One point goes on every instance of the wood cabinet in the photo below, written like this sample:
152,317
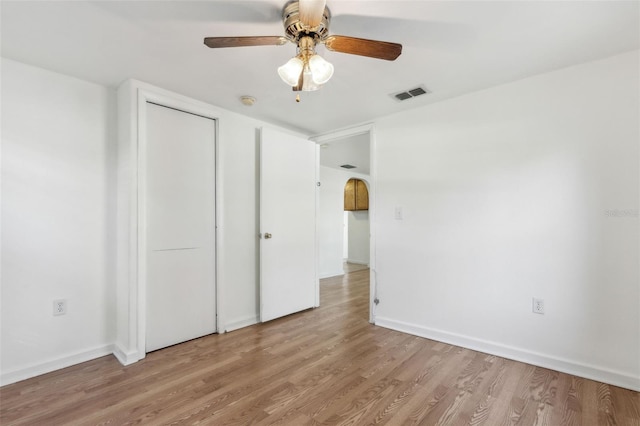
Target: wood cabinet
356,195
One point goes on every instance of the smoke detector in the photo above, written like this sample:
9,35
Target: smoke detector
247,100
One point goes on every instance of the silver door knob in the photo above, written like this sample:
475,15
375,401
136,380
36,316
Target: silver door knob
267,235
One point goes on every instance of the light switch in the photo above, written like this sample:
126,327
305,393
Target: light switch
398,213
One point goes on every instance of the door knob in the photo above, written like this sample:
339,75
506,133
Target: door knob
267,235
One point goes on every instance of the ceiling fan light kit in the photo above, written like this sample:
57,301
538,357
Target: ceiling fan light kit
306,24
306,71
321,69
307,83
290,72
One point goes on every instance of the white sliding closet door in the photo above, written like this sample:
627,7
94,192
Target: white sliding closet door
180,226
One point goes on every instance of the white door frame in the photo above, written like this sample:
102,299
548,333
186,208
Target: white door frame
133,96
342,134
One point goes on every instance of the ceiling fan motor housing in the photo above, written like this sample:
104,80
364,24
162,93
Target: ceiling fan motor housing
294,29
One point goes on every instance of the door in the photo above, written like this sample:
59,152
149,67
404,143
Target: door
180,226
288,277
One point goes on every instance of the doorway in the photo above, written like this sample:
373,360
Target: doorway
356,225
345,155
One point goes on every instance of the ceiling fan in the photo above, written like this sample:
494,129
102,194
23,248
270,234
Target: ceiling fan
306,24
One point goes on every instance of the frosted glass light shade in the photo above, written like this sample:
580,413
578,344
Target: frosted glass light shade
321,69
308,85
290,72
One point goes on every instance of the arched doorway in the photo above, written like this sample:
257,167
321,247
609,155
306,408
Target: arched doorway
356,225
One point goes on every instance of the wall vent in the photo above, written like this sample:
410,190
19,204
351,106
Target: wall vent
348,166
409,94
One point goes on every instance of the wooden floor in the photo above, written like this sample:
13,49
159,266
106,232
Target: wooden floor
324,366
348,267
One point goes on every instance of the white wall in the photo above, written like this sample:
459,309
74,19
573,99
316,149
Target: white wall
59,209
58,165
525,190
331,219
358,246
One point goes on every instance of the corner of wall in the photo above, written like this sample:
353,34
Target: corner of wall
125,357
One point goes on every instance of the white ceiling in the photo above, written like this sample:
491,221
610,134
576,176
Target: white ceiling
353,150
451,47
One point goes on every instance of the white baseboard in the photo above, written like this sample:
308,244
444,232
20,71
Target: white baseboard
332,274
124,357
241,323
357,262
616,378
53,365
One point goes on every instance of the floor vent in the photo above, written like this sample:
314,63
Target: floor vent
409,94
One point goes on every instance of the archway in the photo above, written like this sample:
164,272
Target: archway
356,225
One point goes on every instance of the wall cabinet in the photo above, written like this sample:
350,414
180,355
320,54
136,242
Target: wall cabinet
356,195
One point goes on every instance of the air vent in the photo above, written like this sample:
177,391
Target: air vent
348,166
403,96
417,91
409,94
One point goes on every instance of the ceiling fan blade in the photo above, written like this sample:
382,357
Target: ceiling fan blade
364,47
215,42
310,12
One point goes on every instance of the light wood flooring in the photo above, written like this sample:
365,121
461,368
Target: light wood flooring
348,267
325,366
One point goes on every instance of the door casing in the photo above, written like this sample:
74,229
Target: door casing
131,277
342,134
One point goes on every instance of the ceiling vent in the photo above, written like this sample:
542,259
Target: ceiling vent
348,166
409,94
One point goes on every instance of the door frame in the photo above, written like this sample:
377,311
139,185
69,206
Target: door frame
369,129
131,306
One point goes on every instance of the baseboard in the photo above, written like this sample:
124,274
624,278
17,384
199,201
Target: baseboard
357,262
241,323
53,365
332,274
616,378
124,357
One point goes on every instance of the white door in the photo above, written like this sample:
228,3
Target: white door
180,227
288,278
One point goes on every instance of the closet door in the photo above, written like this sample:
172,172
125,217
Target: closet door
180,227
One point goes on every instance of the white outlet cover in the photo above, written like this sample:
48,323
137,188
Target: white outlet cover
538,306
398,213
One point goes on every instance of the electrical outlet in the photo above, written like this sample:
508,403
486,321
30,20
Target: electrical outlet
60,307
538,306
